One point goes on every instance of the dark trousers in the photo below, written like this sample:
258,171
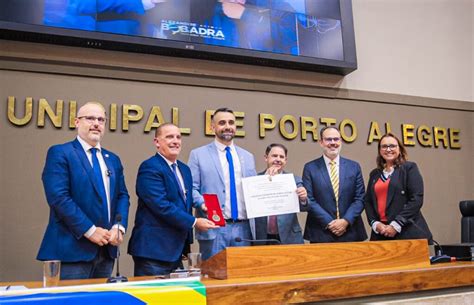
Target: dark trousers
147,266
100,267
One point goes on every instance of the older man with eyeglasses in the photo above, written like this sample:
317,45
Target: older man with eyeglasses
336,194
88,200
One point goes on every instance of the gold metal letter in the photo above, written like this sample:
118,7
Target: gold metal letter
175,120
28,111
126,117
155,114
72,114
208,119
267,122
113,117
342,129
328,121
408,134
454,138
294,122
424,137
309,124
56,118
239,123
374,132
440,133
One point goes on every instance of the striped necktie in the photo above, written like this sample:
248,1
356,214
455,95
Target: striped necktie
335,184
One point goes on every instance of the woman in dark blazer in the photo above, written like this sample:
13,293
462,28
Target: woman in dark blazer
395,195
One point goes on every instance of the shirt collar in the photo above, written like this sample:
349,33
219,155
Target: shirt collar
327,160
86,146
222,147
167,161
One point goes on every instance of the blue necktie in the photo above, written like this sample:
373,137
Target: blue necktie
100,183
233,192
174,166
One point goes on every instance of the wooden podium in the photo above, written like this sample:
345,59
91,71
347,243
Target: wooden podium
317,259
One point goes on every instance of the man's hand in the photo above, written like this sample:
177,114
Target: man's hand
338,226
273,170
302,195
204,207
100,237
116,237
203,224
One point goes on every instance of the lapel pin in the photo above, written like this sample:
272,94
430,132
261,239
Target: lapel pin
403,192
106,155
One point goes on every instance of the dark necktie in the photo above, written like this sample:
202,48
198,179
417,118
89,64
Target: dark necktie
100,183
272,225
174,167
233,192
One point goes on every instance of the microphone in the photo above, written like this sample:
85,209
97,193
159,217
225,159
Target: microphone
109,173
252,241
118,278
439,257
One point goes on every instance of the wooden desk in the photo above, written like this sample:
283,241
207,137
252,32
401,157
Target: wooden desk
343,285
331,286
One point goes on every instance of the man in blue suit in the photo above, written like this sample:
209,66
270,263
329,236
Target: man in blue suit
336,192
88,201
164,222
284,228
218,168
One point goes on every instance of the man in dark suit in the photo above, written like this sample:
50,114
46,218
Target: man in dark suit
336,192
164,222
284,228
86,193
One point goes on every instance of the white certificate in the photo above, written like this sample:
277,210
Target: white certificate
276,196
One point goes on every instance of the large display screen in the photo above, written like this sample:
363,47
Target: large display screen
281,32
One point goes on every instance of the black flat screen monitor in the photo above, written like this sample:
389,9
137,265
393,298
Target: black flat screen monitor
316,35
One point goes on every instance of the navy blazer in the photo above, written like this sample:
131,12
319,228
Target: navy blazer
289,228
323,201
75,203
163,222
404,202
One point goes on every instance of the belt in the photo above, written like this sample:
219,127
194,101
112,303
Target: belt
231,221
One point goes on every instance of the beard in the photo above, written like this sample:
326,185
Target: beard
226,136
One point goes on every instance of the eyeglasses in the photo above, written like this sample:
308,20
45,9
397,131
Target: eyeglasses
329,140
386,147
92,119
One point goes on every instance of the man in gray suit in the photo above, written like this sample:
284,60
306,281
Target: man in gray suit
218,168
284,228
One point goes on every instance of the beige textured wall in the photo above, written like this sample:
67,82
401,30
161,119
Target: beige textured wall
421,48
431,68
447,173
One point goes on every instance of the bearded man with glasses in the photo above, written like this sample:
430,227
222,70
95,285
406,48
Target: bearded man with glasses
88,200
335,189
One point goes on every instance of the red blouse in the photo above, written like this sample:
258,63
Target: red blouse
381,191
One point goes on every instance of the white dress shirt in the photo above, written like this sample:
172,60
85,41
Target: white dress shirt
238,180
103,169
328,166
